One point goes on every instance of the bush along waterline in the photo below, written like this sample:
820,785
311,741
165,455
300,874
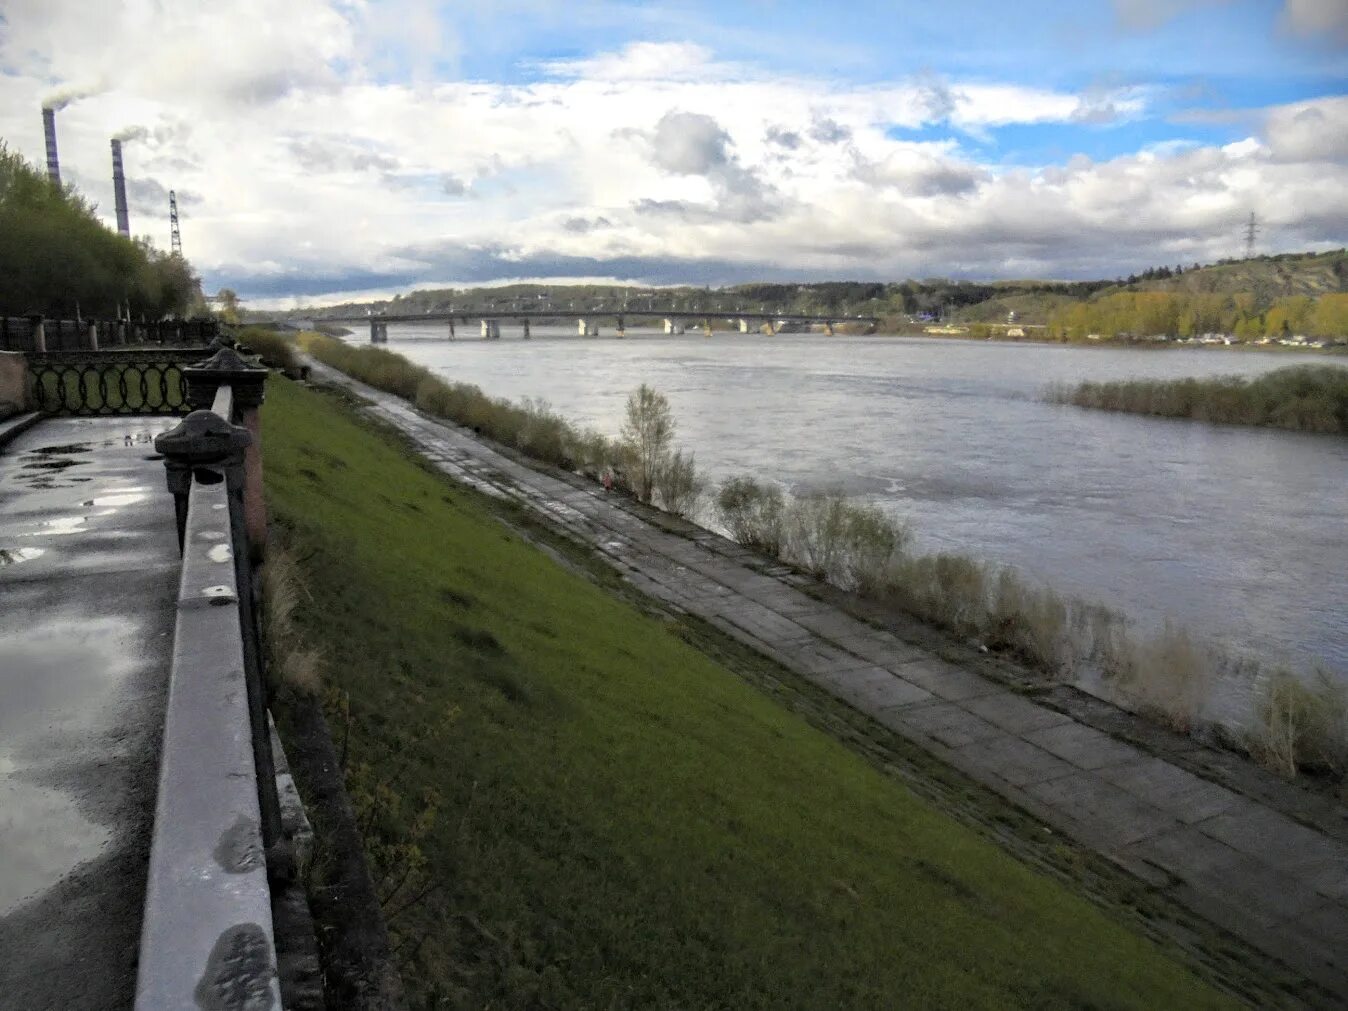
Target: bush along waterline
1298,724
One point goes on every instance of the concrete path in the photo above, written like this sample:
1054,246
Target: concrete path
88,587
1278,884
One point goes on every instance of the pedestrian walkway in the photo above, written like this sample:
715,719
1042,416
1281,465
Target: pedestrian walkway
1237,862
88,591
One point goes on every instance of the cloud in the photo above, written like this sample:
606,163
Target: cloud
827,131
689,144
1322,20
782,137
634,163
1148,15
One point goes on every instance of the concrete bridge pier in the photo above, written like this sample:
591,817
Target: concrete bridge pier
525,321
674,325
622,329
744,326
585,328
491,330
378,331
706,328
828,329
451,328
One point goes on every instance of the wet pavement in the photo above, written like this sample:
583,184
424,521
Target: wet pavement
88,586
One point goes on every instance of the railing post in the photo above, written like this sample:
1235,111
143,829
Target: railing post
225,367
38,331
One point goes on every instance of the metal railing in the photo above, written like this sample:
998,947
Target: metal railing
39,334
111,382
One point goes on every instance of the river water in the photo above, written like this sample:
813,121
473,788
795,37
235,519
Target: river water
1239,534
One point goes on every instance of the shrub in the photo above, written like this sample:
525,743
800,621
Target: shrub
1169,679
276,350
1304,398
847,543
1302,726
678,485
752,513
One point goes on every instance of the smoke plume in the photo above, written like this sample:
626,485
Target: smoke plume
60,99
127,134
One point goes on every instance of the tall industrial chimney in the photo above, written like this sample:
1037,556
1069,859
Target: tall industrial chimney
119,190
49,128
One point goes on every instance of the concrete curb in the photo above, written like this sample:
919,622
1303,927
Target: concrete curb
12,428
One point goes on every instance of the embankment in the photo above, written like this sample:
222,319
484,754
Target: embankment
567,804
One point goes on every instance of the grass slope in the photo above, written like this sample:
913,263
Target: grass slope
612,819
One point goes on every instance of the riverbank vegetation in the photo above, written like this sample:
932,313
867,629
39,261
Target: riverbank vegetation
596,814
1167,676
1304,398
58,259
1245,316
644,461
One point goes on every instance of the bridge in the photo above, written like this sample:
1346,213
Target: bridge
587,320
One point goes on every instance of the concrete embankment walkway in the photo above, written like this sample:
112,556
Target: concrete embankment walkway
1238,862
88,591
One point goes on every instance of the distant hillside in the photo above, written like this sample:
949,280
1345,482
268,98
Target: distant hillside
1246,287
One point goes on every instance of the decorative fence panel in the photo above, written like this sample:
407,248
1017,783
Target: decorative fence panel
111,382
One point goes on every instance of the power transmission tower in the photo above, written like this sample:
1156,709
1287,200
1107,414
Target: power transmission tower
1251,231
175,239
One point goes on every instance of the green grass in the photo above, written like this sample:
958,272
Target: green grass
1309,398
608,818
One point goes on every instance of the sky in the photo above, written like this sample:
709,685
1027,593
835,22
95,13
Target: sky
326,149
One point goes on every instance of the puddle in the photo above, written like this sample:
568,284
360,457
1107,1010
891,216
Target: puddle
44,838
53,464
74,447
59,526
13,556
220,553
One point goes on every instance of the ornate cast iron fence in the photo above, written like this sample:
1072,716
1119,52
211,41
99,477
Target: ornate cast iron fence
112,382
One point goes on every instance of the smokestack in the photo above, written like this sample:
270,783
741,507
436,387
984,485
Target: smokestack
119,190
49,128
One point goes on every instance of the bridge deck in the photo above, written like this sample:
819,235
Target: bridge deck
88,585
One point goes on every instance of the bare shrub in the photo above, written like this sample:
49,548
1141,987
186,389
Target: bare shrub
1301,725
1169,679
678,485
849,544
752,512
648,437
1033,622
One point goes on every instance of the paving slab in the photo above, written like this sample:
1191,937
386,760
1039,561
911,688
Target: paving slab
1277,841
874,688
1013,713
1174,790
945,680
1098,811
1015,760
1085,747
948,723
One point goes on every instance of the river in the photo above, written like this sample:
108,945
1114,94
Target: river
1239,534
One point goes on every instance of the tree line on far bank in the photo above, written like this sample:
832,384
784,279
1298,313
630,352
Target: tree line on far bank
58,259
1184,314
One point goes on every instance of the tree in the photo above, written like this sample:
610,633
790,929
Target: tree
647,438
229,305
